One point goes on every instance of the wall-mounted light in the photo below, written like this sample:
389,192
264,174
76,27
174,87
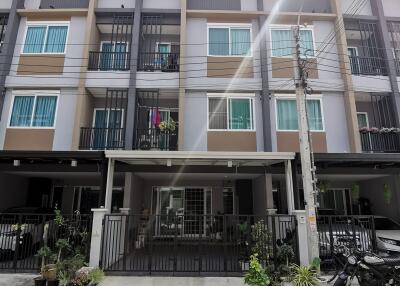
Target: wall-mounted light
169,163
17,163
230,164
74,163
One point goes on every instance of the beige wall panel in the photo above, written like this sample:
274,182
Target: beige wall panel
289,142
48,18
41,65
231,141
29,139
226,67
283,68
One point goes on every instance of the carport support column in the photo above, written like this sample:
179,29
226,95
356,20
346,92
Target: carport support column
110,184
302,237
97,232
289,186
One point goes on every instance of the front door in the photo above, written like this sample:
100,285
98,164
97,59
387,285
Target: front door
182,211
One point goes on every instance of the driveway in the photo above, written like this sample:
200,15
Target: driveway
17,279
172,281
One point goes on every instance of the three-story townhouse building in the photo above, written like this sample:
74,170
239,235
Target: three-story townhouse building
179,118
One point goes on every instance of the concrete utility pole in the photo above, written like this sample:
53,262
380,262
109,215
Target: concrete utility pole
307,166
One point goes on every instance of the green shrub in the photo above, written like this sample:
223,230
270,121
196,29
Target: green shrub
256,276
96,275
303,275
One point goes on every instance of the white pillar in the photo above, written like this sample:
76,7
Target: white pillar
289,186
110,184
97,232
302,236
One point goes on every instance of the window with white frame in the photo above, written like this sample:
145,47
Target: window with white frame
286,113
45,38
230,113
33,111
282,42
229,40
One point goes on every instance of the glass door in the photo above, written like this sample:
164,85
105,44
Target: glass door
182,211
107,128
170,210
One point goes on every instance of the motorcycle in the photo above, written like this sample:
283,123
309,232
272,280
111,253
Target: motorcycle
370,269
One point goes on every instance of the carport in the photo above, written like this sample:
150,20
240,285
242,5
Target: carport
38,179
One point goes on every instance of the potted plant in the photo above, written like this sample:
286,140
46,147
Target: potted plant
257,275
44,253
167,125
32,4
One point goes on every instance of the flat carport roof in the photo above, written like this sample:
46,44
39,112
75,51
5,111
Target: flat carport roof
355,163
160,161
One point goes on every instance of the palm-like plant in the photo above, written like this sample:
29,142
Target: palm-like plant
304,276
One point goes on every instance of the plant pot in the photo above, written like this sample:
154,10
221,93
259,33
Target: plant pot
50,272
32,4
40,281
53,282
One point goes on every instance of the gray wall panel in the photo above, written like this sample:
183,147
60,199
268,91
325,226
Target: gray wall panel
195,121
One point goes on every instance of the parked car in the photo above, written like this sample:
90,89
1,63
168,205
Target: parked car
22,225
387,234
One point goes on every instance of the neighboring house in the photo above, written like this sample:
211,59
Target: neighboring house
181,117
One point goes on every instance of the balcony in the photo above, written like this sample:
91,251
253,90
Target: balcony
380,141
164,62
367,66
156,139
109,61
92,138
56,4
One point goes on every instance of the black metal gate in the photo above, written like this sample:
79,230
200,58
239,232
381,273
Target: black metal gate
22,235
195,245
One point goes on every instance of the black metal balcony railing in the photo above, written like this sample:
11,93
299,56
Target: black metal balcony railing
367,66
385,142
92,138
64,4
109,61
166,62
155,139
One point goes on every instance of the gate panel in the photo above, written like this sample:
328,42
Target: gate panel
22,235
220,244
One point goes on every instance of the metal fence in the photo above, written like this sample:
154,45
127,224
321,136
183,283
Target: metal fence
351,231
98,138
165,62
154,138
195,244
109,61
367,65
22,235
380,142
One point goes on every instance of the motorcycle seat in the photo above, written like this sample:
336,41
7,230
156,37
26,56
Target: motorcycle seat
392,260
